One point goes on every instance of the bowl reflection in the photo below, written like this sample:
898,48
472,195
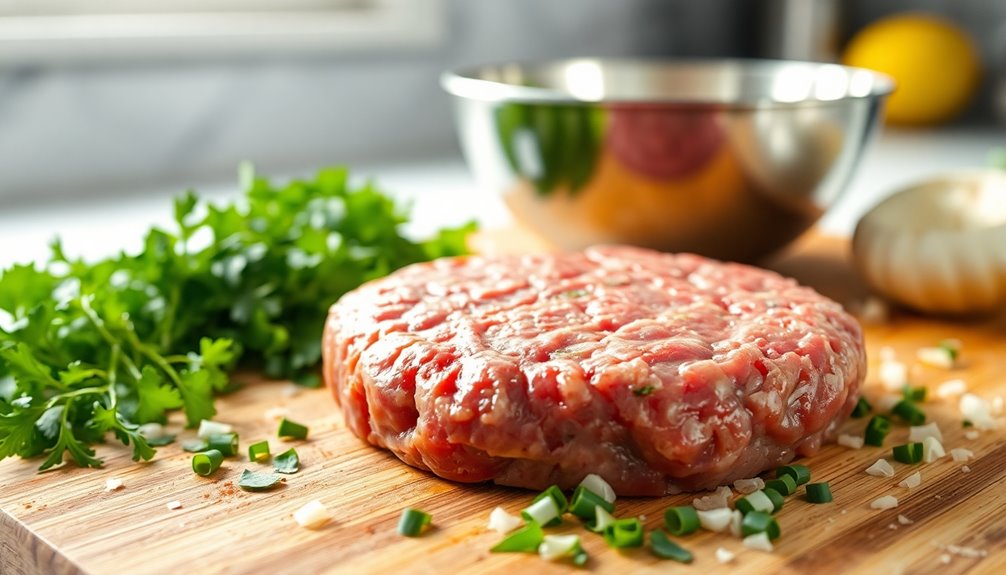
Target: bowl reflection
730,159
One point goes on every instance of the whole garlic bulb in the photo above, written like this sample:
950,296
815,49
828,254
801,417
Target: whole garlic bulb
939,246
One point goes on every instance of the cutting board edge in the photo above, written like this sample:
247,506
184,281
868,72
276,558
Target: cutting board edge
30,552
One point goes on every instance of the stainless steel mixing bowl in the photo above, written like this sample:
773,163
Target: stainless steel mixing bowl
727,158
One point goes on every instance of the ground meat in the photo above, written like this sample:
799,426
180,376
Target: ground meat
658,372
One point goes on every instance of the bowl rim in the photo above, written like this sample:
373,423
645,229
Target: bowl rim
468,82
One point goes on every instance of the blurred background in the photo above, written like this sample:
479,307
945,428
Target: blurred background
119,98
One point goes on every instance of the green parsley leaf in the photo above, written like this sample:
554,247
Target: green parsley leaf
251,481
160,441
287,462
109,420
67,442
197,396
92,348
154,397
18,431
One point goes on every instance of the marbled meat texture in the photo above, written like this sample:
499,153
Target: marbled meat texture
658,372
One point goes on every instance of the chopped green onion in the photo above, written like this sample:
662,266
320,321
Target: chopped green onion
862,408
914,393
287,462
292,429
775,497
759,522
208,428
412,522
555,547
967,423
258,451
756,501
584,501
525,540
952,347
251,481
225,443
877,430
664,548
799,473
556,495
908,453
207,462
601,520
681,520
909,412
624,533
598,485
195,445
541,510
784,484
818,492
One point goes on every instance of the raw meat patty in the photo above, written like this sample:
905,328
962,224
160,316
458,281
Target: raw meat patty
658,372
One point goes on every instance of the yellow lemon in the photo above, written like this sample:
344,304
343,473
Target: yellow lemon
934,63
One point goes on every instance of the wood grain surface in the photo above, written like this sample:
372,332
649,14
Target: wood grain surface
64,521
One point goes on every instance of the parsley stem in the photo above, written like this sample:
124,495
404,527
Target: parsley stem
154,357
99,326
167,337
113,374
75,393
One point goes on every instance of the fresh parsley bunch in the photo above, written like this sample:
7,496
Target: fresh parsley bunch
92,348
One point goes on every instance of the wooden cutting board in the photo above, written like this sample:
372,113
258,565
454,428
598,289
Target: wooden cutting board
65,522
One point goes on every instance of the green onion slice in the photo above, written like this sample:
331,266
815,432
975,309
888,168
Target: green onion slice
251,481
799,473
756,501
292,429
952,347
287,462
226,443
784,484
775,497
555,547
862,408
877,430
908,453
547,507
664,548
601,520
557,495
818,492
915,394
909,412
624,533
258,451
207,462
759,522
584,501
413,521
542,511
681,520
524,540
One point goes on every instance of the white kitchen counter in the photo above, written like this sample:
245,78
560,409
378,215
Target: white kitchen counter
444,193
